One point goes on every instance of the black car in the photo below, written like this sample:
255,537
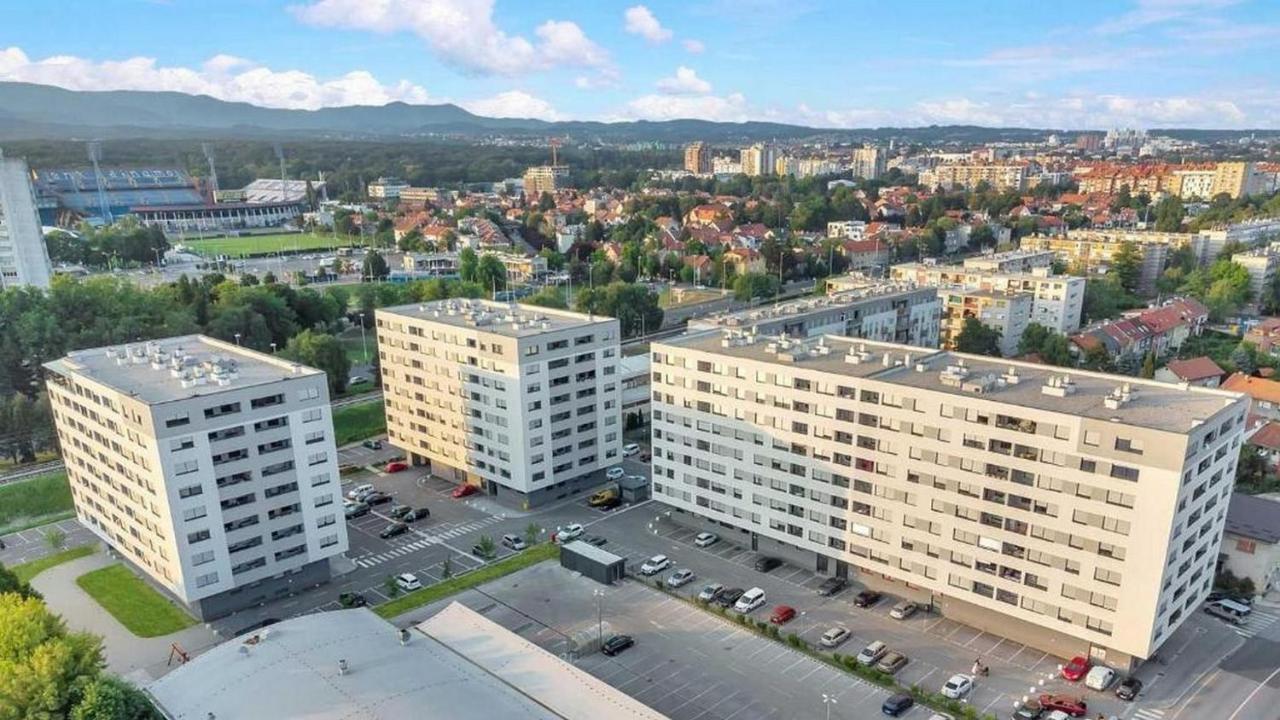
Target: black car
596,540
414,515
867,598
729,597
616,644
376,498
765,563
1129,688
831,586
352,600
1217,595
394,529
897,704
373,444
357,510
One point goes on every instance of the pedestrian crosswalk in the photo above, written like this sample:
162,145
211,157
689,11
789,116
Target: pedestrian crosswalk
1148,714
426,540
1257,622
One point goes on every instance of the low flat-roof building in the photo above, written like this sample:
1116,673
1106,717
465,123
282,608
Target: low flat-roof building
1251,545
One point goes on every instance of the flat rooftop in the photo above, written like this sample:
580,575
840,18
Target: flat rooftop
498,318
177,368
457,665
1157,405
851,293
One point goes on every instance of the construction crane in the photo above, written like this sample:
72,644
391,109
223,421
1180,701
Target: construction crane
280,155
555,145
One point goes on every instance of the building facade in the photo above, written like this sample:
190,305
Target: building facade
24,259
1261,263
1092,250
1078,514
210,467
387,188
544,179
1008,313
522,402
1057,300
967,176
697,158
1013,261
759,159
867,162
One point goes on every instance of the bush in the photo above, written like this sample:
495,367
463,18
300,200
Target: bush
658,584
796,641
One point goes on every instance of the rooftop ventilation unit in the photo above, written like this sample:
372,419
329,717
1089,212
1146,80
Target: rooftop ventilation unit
1011,376
1058,386
1118,398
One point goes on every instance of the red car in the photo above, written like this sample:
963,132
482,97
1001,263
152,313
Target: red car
396,466
782,614
1076,669
463,490
1075,707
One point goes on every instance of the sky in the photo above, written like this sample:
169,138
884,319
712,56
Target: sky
1086,64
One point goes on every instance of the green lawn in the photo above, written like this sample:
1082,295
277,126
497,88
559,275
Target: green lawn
145,612
480,576
357,422
40,500
266,244
28,570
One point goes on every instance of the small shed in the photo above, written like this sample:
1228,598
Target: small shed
634,488
599,565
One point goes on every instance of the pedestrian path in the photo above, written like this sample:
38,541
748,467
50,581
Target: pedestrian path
425,541
1148,714
1257,622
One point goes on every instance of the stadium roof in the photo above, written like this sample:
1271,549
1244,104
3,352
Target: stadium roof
265,190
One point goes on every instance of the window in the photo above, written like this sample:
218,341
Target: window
328,541
312,438
220,410
190,491
312,415
194,513
322,500
1092,438
184,443
1129,445
197,536
177,420
266,401
321,479
326,520
206,580
186,468
317,458
201,558
310,393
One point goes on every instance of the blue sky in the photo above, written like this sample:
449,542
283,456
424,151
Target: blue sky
830,63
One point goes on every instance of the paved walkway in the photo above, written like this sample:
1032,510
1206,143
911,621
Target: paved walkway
138,659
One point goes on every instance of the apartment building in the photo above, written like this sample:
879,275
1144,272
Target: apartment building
1013,261
967,176
867,162
24,259
522,402
544,179
387,188
1079,514
210,467
1093,250
1235,179
759,159
1261,263
697,158
856,306
1009,313
1057,301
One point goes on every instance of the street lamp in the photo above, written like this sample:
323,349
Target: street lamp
273,348
363,342
828,700
237,339
599,616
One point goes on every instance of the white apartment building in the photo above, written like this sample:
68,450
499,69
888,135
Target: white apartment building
1079,514
1008,313
210,467
1261,262
846,229
387,188
1057,301
1013,261
24,259
523,402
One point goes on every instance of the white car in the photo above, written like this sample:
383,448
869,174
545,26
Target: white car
357,380
872,653
615,473
706,539
835,636
655,565
1100,677
408,582
569,532
903,610
958,686
355,492
1058,715
680,577
630,449
750,600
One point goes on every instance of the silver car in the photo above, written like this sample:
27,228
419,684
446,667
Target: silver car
683,576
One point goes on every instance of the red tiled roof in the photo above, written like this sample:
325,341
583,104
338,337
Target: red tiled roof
1267,436
1197,368
1255,387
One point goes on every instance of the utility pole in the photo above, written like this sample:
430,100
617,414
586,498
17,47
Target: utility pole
599,616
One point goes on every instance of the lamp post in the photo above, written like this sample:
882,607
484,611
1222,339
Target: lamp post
828,700
363,342
599,616
237,339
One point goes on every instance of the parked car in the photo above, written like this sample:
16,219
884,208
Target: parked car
834,637
408,582
372,444
1222,613
1217,595
903,610
867,598
630,449
362,489
680,577
957,686
750,600
766,564
515,542
1076,669
831,586
897,704
1060,715
706,539
481,551
596,540
615,473
710,592
463,490
569,533
352,600
616,644
394,529
1029,710
357,380
376,497
782,614
1073,706
397,511
872,653
396,466
729,598
892,662
355,510
416,515
1129,688
655,565
1100,677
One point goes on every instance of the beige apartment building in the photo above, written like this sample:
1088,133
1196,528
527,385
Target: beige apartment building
1093,250
1077,513
523,402
544,179
210,467
967,176
1013,261
1008,312
697,158
1057,301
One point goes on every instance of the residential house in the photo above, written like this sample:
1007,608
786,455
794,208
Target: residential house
1201,371
1251,542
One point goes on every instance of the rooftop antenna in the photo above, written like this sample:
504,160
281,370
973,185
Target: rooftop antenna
207,148
95,155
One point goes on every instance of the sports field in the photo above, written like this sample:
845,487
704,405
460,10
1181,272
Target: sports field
267,244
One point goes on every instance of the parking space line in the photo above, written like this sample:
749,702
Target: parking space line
975,637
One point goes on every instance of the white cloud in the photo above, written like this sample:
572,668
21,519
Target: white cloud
513,104
462,33
693,46
641,21
1158,12
729,108
684,82
222,76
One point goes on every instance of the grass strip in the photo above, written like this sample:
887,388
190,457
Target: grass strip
139,607
479,576
28,570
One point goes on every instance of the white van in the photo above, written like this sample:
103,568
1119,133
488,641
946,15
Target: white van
1242,611
750,600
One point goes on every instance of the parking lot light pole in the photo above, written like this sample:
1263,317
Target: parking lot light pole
828,700
599,616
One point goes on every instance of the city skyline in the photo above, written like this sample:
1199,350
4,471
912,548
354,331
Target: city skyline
1150,63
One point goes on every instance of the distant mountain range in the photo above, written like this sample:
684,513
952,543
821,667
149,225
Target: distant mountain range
29,112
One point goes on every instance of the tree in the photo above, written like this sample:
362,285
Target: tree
635,307
1104,298
390,586
43,667
749,286
1126,264
978,339
446,567
375,266
468,262
1169,214
1149,365
531,532
1033,338
324,352
1252,470
10,583
1242,358
110,698
490,273
486,548
56,539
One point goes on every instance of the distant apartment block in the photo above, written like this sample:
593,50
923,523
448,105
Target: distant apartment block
387,188
544,179
1078,513
1261,262
210,467
522,402
1093,250
24,260
759,159
967,176
867,162
697,158
846,229
1013,261
1057,300
1008,313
